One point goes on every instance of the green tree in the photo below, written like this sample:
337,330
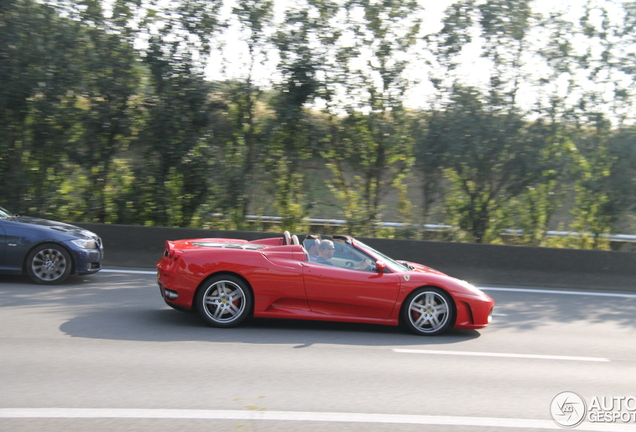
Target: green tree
172,175
607,61
429,162
505,27
38,73
243,152
605,185
500,163
557,164
622,180
490,158
300,43
374,79
110,77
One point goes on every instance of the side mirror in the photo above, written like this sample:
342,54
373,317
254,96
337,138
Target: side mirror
380,266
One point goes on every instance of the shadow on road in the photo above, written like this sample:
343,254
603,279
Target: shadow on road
165,325
535,310
129,307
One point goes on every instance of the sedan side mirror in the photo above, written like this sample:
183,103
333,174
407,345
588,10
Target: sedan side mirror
380,266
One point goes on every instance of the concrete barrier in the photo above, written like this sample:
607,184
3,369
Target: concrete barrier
519,265
141,247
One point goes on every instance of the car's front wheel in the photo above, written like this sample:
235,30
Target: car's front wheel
224,301
428,311
48,264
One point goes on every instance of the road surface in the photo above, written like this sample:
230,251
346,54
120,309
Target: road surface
104,353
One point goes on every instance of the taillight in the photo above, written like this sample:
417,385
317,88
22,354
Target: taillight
169,251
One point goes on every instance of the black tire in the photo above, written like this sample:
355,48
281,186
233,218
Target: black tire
48,264
428,311
224,301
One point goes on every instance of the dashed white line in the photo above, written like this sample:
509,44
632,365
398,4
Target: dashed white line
187,414
505,355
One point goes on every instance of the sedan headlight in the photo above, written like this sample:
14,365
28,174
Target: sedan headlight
85,243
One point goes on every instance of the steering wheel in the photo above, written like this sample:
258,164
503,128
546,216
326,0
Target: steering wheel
287,238
349,264
366,264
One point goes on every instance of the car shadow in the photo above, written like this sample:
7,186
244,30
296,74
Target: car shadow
159,322
113,306
130,308
167,325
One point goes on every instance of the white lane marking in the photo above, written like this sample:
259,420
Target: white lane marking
500,315
145,272
506,355
549,291
130,413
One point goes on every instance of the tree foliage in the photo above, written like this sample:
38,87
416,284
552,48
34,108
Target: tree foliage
106,115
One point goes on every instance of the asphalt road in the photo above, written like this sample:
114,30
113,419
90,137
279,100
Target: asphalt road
104,353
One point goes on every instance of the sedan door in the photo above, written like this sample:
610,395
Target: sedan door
348,292
17,239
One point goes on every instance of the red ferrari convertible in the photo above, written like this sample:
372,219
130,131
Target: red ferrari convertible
227,280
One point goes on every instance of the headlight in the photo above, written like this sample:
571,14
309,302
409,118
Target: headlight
471,288
85,244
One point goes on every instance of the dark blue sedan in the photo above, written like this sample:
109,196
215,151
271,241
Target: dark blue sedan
45,250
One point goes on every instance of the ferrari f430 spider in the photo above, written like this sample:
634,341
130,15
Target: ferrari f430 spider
228,280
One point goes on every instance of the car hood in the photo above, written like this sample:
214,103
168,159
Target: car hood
54,225
424,269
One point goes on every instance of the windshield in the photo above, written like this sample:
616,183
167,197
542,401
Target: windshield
4,213
380,254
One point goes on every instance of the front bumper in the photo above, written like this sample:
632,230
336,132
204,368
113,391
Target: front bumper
474,312
87,261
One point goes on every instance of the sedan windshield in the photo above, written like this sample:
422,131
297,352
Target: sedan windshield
380,254
4,213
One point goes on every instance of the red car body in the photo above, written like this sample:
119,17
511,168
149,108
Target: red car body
281,281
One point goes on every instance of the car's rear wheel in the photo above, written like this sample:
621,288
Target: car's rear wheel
48,264
428,311
224,301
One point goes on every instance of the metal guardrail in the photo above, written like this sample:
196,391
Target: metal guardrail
343,222
625,238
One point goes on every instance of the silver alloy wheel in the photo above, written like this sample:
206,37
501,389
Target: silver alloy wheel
49,265
429,312
224,301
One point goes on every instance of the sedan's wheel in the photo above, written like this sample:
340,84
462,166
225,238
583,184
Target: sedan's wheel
428,311
48,264
224,301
